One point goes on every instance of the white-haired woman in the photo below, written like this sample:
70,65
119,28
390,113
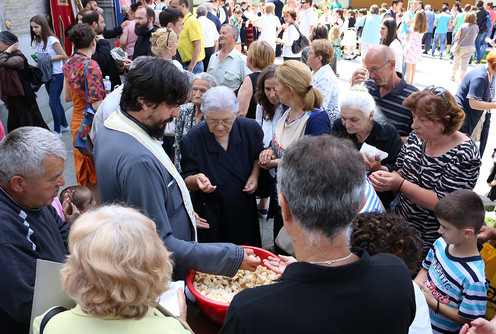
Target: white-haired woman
191,113
361,122
220,166
117,270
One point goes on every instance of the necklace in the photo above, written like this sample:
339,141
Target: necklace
333,261
291,122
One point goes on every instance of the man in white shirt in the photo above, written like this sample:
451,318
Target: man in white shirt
308,17
228,66
210,34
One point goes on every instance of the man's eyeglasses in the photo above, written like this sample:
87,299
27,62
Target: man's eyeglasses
216,122
439,91
375,70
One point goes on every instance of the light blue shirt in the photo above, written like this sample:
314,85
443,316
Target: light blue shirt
405,28
431,17
442,23
370,33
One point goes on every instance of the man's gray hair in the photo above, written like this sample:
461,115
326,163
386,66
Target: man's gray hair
427,7
201,10
140,60
323,181
207,77
24,150
209,6
217,99
359,98
234,30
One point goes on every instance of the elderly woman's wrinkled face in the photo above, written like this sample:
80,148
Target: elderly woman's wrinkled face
354,121
198,88
270,91
220,122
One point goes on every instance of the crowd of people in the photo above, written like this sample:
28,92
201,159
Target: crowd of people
201,133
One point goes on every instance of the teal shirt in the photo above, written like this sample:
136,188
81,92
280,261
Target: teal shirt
442,23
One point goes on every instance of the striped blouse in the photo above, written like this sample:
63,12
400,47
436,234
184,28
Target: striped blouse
456,169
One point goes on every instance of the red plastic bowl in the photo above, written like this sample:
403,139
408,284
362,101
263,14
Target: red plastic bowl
216,311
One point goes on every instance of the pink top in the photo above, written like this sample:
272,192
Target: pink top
131,38
56,204
2,132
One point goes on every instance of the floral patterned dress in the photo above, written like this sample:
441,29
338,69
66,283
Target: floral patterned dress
413,48
74,75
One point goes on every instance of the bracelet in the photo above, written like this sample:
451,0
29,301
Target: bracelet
437,307
401,184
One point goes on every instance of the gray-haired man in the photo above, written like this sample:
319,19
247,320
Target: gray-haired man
322,291
32,160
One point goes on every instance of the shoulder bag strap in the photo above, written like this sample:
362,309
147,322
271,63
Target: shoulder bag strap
297,29
50,314
86,82
461,41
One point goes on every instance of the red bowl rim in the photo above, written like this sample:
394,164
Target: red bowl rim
198,295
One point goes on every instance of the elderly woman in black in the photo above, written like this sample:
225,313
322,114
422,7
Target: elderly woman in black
15,89
220,165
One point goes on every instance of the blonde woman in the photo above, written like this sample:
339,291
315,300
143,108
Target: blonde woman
117,270
260,55
303,117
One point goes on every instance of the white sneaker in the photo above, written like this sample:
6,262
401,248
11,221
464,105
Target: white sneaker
58,134
65,128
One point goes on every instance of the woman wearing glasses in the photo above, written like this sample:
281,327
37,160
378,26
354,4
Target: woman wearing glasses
220,167
435,160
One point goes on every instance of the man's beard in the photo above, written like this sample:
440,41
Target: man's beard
157,131
141,30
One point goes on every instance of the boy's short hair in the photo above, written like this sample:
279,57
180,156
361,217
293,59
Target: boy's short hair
461,208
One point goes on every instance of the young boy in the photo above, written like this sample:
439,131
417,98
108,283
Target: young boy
452,276
76,200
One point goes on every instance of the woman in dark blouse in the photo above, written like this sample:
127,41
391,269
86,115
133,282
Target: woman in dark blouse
220,166
361,122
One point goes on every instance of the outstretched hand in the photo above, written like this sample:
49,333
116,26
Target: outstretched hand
250,261
201,223
279,264
204,183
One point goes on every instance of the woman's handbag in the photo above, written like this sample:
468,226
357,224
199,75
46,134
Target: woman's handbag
83,141
301,43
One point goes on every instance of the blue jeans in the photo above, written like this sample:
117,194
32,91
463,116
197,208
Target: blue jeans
197,69
428,40
483,45
54,88
442,39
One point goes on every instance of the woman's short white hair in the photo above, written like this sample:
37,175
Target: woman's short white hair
358,98
205,76
218,99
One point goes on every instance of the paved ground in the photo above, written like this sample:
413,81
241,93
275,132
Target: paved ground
431,71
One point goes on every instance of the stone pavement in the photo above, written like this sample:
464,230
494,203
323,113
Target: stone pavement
431,71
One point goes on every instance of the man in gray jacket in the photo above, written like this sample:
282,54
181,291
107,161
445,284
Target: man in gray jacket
132,167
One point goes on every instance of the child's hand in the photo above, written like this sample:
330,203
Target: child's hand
71,212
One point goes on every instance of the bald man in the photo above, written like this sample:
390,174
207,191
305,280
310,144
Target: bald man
387,86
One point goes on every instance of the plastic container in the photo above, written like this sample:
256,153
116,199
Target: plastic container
216,311
107,84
